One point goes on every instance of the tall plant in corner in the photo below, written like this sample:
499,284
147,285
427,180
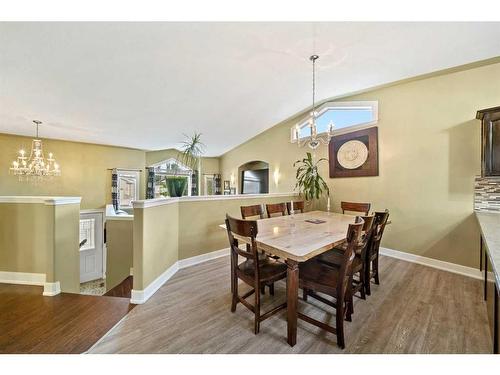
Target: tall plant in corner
191,151
309,182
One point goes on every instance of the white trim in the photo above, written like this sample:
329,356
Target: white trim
49,201
51,289
163,201
26,278
131,273
434,263
141,296
22,278
92,211
188,262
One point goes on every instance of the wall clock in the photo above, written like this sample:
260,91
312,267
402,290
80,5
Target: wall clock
354,154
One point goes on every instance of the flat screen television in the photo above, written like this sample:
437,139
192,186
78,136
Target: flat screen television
255,181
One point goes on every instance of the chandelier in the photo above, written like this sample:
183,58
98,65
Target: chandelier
314,139
35,166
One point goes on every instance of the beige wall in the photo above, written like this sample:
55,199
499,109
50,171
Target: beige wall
84,169
66,247
429,152
155,239
119,251
39,238
26,238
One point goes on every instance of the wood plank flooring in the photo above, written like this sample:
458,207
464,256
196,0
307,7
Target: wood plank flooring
416,309
66,323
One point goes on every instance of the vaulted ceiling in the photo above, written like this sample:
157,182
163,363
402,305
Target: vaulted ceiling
143,85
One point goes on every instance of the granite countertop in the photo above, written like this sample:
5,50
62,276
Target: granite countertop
489,223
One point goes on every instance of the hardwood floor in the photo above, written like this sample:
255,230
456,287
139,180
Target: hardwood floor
66,323
124,289
416,309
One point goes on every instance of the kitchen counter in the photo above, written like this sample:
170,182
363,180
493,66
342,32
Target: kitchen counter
112,215
489,224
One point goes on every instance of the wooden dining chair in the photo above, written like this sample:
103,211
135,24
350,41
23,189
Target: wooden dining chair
333,281
372,254
335,256
253,271
297,206
276,208
252,211
355,207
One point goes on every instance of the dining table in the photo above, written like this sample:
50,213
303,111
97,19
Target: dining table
297,238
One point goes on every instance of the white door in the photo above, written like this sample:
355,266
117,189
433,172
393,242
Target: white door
91,252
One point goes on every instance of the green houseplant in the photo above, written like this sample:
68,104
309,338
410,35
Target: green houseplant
309,182
190,155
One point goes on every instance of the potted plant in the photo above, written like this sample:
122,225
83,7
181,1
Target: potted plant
190,155
309,182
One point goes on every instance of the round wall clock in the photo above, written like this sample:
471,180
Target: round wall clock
352,154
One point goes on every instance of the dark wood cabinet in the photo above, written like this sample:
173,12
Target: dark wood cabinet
490,141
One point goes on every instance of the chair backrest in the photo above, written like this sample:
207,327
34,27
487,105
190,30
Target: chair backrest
250,211
297,206
366,238
276,208
354,233
379,224
242,228
355,207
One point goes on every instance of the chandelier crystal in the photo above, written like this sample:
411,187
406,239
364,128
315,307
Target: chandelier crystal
36,166
314,139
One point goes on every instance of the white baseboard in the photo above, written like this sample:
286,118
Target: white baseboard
141,296
26,278
23,278
434,263
188,262
51,289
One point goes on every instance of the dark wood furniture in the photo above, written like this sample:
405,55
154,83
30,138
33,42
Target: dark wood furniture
252,211
297,206
253,271
335,257
372,254
316,276
355,207
490,141
276,208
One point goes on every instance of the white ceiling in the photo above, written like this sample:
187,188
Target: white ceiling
142,85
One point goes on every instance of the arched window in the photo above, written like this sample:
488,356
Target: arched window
170,168
346,116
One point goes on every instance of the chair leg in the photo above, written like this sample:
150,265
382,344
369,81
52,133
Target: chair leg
304,294
257,313
235,295
363,283
271,289
340,324
375,270
349,305
368,279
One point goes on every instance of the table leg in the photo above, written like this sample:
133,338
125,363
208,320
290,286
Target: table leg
495,321
485,277
292,295
480,252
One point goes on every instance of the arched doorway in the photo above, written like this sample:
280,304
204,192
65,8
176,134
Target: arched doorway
254,177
